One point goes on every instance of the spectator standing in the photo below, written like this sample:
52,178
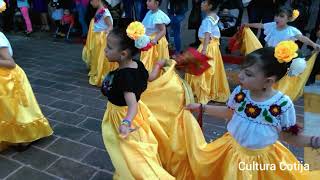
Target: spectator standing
81,6
177,10
41,6
194,21
23,5
261,11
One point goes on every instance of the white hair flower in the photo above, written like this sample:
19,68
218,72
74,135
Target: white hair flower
297,66
142,42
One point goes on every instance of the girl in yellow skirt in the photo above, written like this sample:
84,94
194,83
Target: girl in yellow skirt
259,116
155,23
93,53
126,131
21,120
278,31
212,85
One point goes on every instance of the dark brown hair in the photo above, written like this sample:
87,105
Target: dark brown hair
270,66
125,43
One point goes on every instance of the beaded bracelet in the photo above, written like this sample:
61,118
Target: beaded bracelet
126,122
314,142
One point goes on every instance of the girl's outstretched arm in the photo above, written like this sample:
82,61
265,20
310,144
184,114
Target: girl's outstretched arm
132,104
222,112
307,41
300,140
254,25
5,59
156,70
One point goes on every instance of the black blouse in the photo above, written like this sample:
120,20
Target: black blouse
125,80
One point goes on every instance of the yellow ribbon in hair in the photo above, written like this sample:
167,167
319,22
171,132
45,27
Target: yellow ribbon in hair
295,14
135,30
2,6
285,51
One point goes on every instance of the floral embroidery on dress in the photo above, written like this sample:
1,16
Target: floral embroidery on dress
270,113
252,110
275,110
240,97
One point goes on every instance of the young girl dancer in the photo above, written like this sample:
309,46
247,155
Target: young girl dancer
134,155
155,23
93,53
260,116
278,31
212,85
21,120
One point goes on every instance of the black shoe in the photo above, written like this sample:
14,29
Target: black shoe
28,33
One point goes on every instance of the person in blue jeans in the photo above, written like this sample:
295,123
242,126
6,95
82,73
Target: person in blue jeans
177,10
139,10
81,6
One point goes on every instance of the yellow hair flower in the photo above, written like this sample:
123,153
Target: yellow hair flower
295,14
285,51
135,30
2,6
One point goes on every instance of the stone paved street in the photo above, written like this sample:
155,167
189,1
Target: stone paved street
75,109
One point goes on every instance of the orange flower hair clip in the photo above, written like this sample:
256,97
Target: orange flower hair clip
295,15
285,52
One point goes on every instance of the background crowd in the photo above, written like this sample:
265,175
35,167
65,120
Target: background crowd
47,15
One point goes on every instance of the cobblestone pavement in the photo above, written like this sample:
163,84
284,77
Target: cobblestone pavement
75,109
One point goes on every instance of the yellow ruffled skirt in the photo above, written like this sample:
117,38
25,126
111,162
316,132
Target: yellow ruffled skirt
87,49
172,146
224,158
212,84
157,52
21,119
291,86
137,156
93,54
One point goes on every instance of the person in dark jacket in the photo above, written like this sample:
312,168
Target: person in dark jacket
177,10
261,11
194,21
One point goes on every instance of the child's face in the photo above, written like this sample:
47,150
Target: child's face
112,51
205,6
152,4
252,78
95,3
281,19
